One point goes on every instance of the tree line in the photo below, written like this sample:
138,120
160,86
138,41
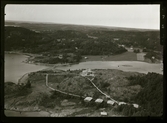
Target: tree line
150,98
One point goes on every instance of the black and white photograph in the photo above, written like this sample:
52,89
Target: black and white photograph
83,60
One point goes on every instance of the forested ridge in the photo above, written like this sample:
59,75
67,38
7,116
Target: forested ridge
20,37
76,42
150,98
68,41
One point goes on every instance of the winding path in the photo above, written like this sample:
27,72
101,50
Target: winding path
61,91
107,96
90,80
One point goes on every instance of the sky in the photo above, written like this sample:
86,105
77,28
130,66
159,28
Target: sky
132,16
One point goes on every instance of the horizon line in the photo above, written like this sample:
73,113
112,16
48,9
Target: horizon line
83,24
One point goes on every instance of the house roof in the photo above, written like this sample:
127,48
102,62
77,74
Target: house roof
87,72
103,113
87,99
120,103
99,100
135,105
110,102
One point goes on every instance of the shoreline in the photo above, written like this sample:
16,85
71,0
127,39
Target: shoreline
69,64
40,64
20,53
56,66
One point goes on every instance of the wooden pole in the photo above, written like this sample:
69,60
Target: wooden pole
47,79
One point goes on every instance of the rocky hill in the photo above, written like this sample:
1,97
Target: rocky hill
121,86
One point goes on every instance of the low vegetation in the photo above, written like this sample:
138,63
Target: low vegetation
153,55
143,89
136,51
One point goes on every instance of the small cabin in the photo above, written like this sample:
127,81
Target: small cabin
60,56
110,102
116,39
99,101
103,113
121,103
136,105
153,57
87,72
88,99
58,40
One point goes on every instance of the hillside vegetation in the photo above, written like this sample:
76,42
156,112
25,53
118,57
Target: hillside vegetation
58,42
55,39
151,96
143,89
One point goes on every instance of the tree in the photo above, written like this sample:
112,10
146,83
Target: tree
104,85
28,84
96,95
69,83
136,50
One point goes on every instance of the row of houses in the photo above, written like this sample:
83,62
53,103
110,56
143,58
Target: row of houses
109,102
98,101
89,72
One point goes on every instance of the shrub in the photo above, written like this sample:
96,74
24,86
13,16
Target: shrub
136,51
104,85
57,86
100,73
69,84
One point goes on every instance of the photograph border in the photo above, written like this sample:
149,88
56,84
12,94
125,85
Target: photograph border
77,119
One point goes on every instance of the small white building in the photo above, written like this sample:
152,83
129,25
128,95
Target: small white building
88,99
136,105
116,39
99,100
87,72
60,56
58,40
153,57
110,102
121,103
103,113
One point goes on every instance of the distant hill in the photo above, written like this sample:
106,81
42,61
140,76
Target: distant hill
78,39
58,42
58,26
